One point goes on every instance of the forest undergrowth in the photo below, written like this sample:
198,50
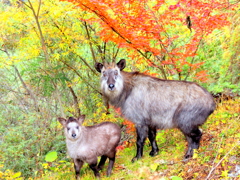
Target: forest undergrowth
217,158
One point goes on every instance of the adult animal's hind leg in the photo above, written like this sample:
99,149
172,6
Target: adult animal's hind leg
193,139
152,138
110,165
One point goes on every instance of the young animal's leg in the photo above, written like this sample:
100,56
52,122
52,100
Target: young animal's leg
193,139
110,165
77,165
102,162
142,133
95,169
152,138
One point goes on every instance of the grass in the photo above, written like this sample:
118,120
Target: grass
216,158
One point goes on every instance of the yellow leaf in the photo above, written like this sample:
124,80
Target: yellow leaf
195,153
224,173
154,166
18,174
45,165
220,150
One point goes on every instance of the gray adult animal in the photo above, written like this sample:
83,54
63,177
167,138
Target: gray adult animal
86,143
152,103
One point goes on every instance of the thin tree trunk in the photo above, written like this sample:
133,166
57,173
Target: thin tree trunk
76,103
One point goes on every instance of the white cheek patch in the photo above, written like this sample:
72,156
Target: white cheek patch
119,82
104,84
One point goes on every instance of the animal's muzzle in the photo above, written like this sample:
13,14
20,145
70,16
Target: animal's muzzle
111,86
74,135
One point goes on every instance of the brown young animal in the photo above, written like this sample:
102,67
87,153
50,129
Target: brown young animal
153,103
86,143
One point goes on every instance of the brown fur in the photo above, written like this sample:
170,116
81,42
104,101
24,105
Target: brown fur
86,143
152,103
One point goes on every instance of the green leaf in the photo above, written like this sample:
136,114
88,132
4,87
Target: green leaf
51,156
176,178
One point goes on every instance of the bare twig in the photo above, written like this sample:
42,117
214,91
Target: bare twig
36,17
75,99
213,168
89,40
85,62
83,79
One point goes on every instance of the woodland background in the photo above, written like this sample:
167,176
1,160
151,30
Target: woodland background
48,49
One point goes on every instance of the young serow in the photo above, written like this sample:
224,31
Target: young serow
152,103
86,143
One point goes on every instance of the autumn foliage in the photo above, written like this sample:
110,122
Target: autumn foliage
165,34
48,49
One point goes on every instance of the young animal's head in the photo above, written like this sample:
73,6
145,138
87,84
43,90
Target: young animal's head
72,127
111,78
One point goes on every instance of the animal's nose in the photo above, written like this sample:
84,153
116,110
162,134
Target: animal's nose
111,86
74,135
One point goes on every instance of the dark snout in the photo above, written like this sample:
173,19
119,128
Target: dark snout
74,135
111,86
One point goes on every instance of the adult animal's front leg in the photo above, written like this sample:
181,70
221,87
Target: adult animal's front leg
193,139
142,133
102,162
152,138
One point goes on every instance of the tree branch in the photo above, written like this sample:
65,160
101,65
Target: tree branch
36,17
89,40
213,168
27,89
70,67
75,99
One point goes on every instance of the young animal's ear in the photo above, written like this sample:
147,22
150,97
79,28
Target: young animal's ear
81,118
62,121
121,64
98,67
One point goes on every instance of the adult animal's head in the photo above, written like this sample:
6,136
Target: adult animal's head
111,78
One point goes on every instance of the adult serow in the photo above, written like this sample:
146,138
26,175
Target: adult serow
152,103
86,143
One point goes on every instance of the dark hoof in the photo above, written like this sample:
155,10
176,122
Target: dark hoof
188,156
135,159
153,153
97,175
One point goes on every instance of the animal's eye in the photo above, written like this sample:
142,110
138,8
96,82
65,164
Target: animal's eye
115,73
77,127
68,129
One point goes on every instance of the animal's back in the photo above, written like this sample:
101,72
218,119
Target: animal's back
158,100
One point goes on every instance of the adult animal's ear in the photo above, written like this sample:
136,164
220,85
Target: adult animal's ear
81,119
62,121
98,67
121,64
